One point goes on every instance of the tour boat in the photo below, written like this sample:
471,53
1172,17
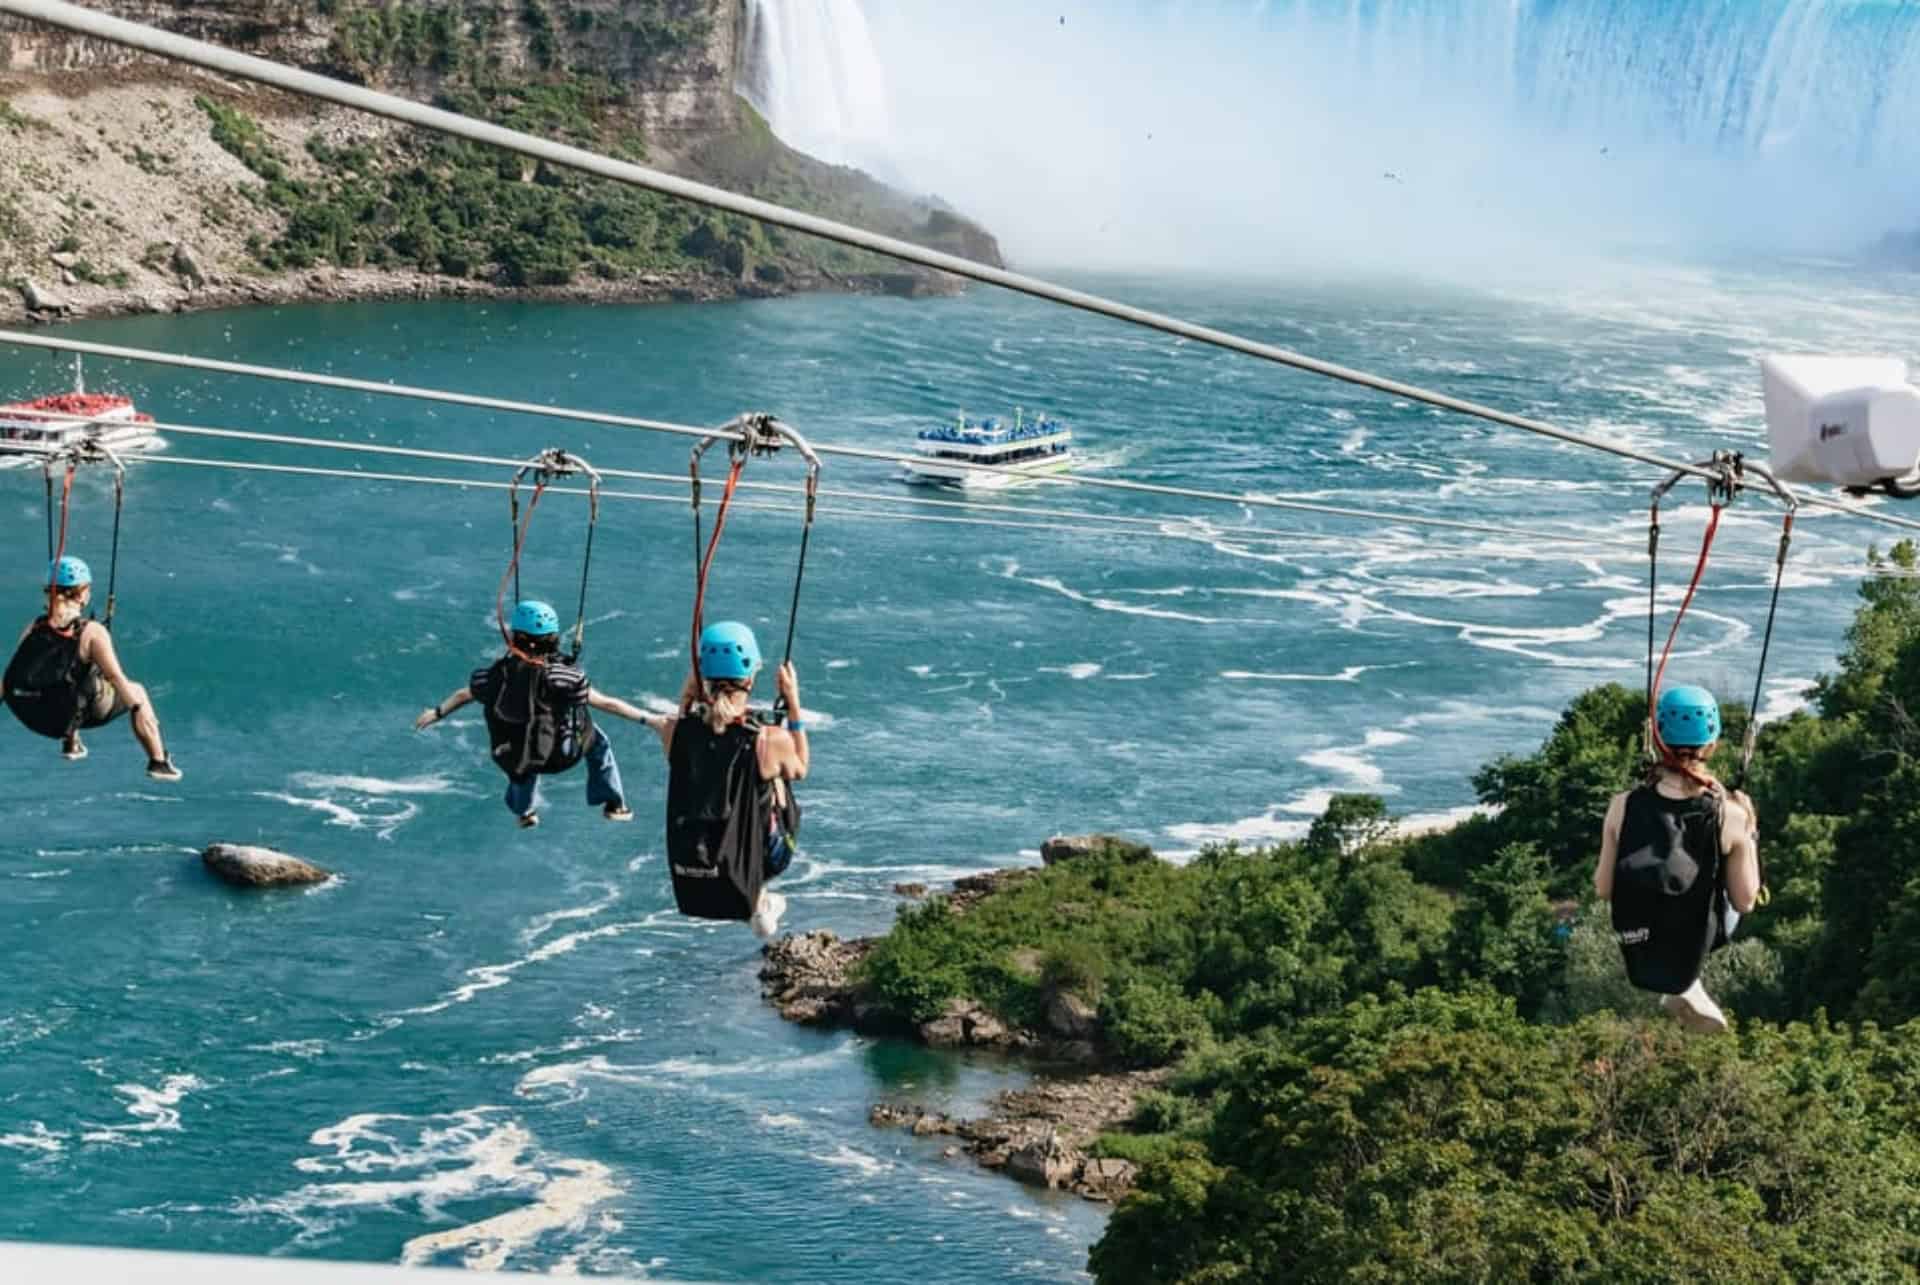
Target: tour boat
1024,451
34,429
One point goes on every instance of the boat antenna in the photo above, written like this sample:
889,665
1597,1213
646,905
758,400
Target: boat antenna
79,380
1017,418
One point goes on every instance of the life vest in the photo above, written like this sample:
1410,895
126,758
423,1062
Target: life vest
537,720
50,690
720,818
1669,887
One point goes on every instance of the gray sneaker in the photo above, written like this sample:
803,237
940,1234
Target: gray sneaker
163,769
1695,1010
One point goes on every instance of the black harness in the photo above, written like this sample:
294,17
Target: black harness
1669,888
51,691
530,732
720,817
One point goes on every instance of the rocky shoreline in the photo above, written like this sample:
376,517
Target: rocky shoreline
39,303
1041,1134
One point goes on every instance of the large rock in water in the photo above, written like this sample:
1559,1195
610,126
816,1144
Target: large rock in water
252,867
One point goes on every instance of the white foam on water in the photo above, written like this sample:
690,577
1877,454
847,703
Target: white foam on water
679,1072
1433,822
37,1138
155,1110
1457,713
61,873
841,664
488,977
922,670
1078,670
539,924
1055,585
379,787
1351,761
291,1048
782,1121
1784,697
382,824
845,1157
561,1204
392,1163
572,1044
1348,675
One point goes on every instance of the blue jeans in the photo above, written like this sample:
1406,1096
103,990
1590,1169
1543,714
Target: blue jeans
603,780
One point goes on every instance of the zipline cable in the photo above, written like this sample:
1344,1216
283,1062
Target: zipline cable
302,470
1254,500
1599,544
1373,515
213,58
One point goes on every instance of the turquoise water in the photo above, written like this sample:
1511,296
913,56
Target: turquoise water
485,1043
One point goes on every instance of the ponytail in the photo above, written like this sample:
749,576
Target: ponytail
726,705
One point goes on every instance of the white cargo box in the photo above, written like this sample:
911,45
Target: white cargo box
1852,421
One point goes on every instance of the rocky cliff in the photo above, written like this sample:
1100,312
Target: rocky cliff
128,182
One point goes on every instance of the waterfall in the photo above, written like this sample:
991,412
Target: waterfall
1237,132
810,68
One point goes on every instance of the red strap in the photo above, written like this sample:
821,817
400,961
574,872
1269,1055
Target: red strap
1667,756
60,551
706,561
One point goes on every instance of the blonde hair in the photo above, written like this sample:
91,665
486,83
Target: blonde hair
726,704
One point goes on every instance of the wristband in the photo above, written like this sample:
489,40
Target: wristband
796,725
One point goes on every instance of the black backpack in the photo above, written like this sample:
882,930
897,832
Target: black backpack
530,733
1669,888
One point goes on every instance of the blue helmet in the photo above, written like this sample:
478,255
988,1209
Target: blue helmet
728,649
1688,717
535,619
68,573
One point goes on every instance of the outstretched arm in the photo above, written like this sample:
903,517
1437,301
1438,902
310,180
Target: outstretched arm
598,699
445,709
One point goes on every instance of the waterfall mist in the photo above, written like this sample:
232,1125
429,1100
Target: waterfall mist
1449,135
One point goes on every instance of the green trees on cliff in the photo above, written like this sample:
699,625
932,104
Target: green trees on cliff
1417,1059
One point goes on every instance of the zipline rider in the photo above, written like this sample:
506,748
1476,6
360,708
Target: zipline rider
1679,861
732,820
66,677
536,704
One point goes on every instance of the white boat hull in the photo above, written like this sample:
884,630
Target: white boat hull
956,477
131,437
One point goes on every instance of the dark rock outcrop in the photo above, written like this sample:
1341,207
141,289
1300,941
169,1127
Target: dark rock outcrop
248,866
1067,847
1041,1135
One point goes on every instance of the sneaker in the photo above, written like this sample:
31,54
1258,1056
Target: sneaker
163,769
1694,1009
529,820
766,920
73,749
617,812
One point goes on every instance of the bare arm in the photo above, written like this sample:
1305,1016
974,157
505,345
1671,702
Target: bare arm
614,705
1740,834
665,727
96,647
783,750
445,709
1609,848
